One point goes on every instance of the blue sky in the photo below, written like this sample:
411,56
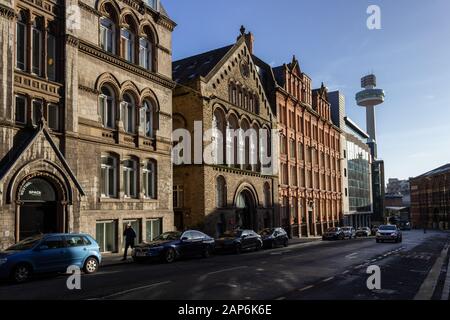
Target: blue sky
410,56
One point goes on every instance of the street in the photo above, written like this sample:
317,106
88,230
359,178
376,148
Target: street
313,271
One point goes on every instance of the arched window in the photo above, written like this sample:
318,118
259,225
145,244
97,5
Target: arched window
147,49
109,176
21,41
107,107
108,29
221,192
37,48
129,113
148,119
130,178
267,196
127,44
149,179
219,125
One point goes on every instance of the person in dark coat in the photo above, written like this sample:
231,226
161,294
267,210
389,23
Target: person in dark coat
130,236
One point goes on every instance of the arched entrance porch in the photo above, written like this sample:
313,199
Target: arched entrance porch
246,210
40,207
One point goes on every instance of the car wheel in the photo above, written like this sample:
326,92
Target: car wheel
207,252
169,256
286,243
91,265
259,246
378,241
341,237
238,249
21,273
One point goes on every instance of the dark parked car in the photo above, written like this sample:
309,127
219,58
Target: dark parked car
51,253
170,246
334,234
273,237
389,233
238,241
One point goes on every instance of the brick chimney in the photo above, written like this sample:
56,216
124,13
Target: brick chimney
250,40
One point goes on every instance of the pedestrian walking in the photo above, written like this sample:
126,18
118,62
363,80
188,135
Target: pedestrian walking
130,236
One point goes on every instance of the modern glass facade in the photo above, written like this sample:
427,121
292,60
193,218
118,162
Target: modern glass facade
359,188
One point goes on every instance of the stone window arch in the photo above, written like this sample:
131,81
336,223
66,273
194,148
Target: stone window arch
221,192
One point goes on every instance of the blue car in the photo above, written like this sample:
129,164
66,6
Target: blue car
170,246
49,253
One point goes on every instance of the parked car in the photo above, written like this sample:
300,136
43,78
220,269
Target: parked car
239,240
349,232
51,253
334,234
389,233
405,226
273,237
171,246
363,232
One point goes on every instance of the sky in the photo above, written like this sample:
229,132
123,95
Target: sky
410,56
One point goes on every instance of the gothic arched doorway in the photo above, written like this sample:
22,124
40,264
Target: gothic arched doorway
40,208
246,211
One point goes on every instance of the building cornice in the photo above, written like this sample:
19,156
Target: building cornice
94,51
89,9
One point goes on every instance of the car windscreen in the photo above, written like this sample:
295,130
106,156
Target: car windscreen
266,232
168,236
25,244
388,228
333,230
232,234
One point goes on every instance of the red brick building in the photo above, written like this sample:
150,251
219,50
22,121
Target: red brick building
430,199
310,173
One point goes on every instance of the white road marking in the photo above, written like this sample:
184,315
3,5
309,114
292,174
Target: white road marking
446,290
345,272
281,298
352,256
305,288
328,279
429,285
133,290
225,270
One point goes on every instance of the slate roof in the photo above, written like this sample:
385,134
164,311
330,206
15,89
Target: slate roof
440,170
279,74
199,65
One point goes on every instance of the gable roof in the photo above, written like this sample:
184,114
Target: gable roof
11,159
200,65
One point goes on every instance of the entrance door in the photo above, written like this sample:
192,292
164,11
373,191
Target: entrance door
245,215
38,218
39,212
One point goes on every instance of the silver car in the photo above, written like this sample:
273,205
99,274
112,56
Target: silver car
349,232
389,233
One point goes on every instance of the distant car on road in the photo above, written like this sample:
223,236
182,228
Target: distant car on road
239,240
51,253
171,246
389,233
273,237
334,234
349,232
363,232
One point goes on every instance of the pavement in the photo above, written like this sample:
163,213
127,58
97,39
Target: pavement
417,269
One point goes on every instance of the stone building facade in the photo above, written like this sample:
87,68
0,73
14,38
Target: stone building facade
430,199
85,119
310,187
224,90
